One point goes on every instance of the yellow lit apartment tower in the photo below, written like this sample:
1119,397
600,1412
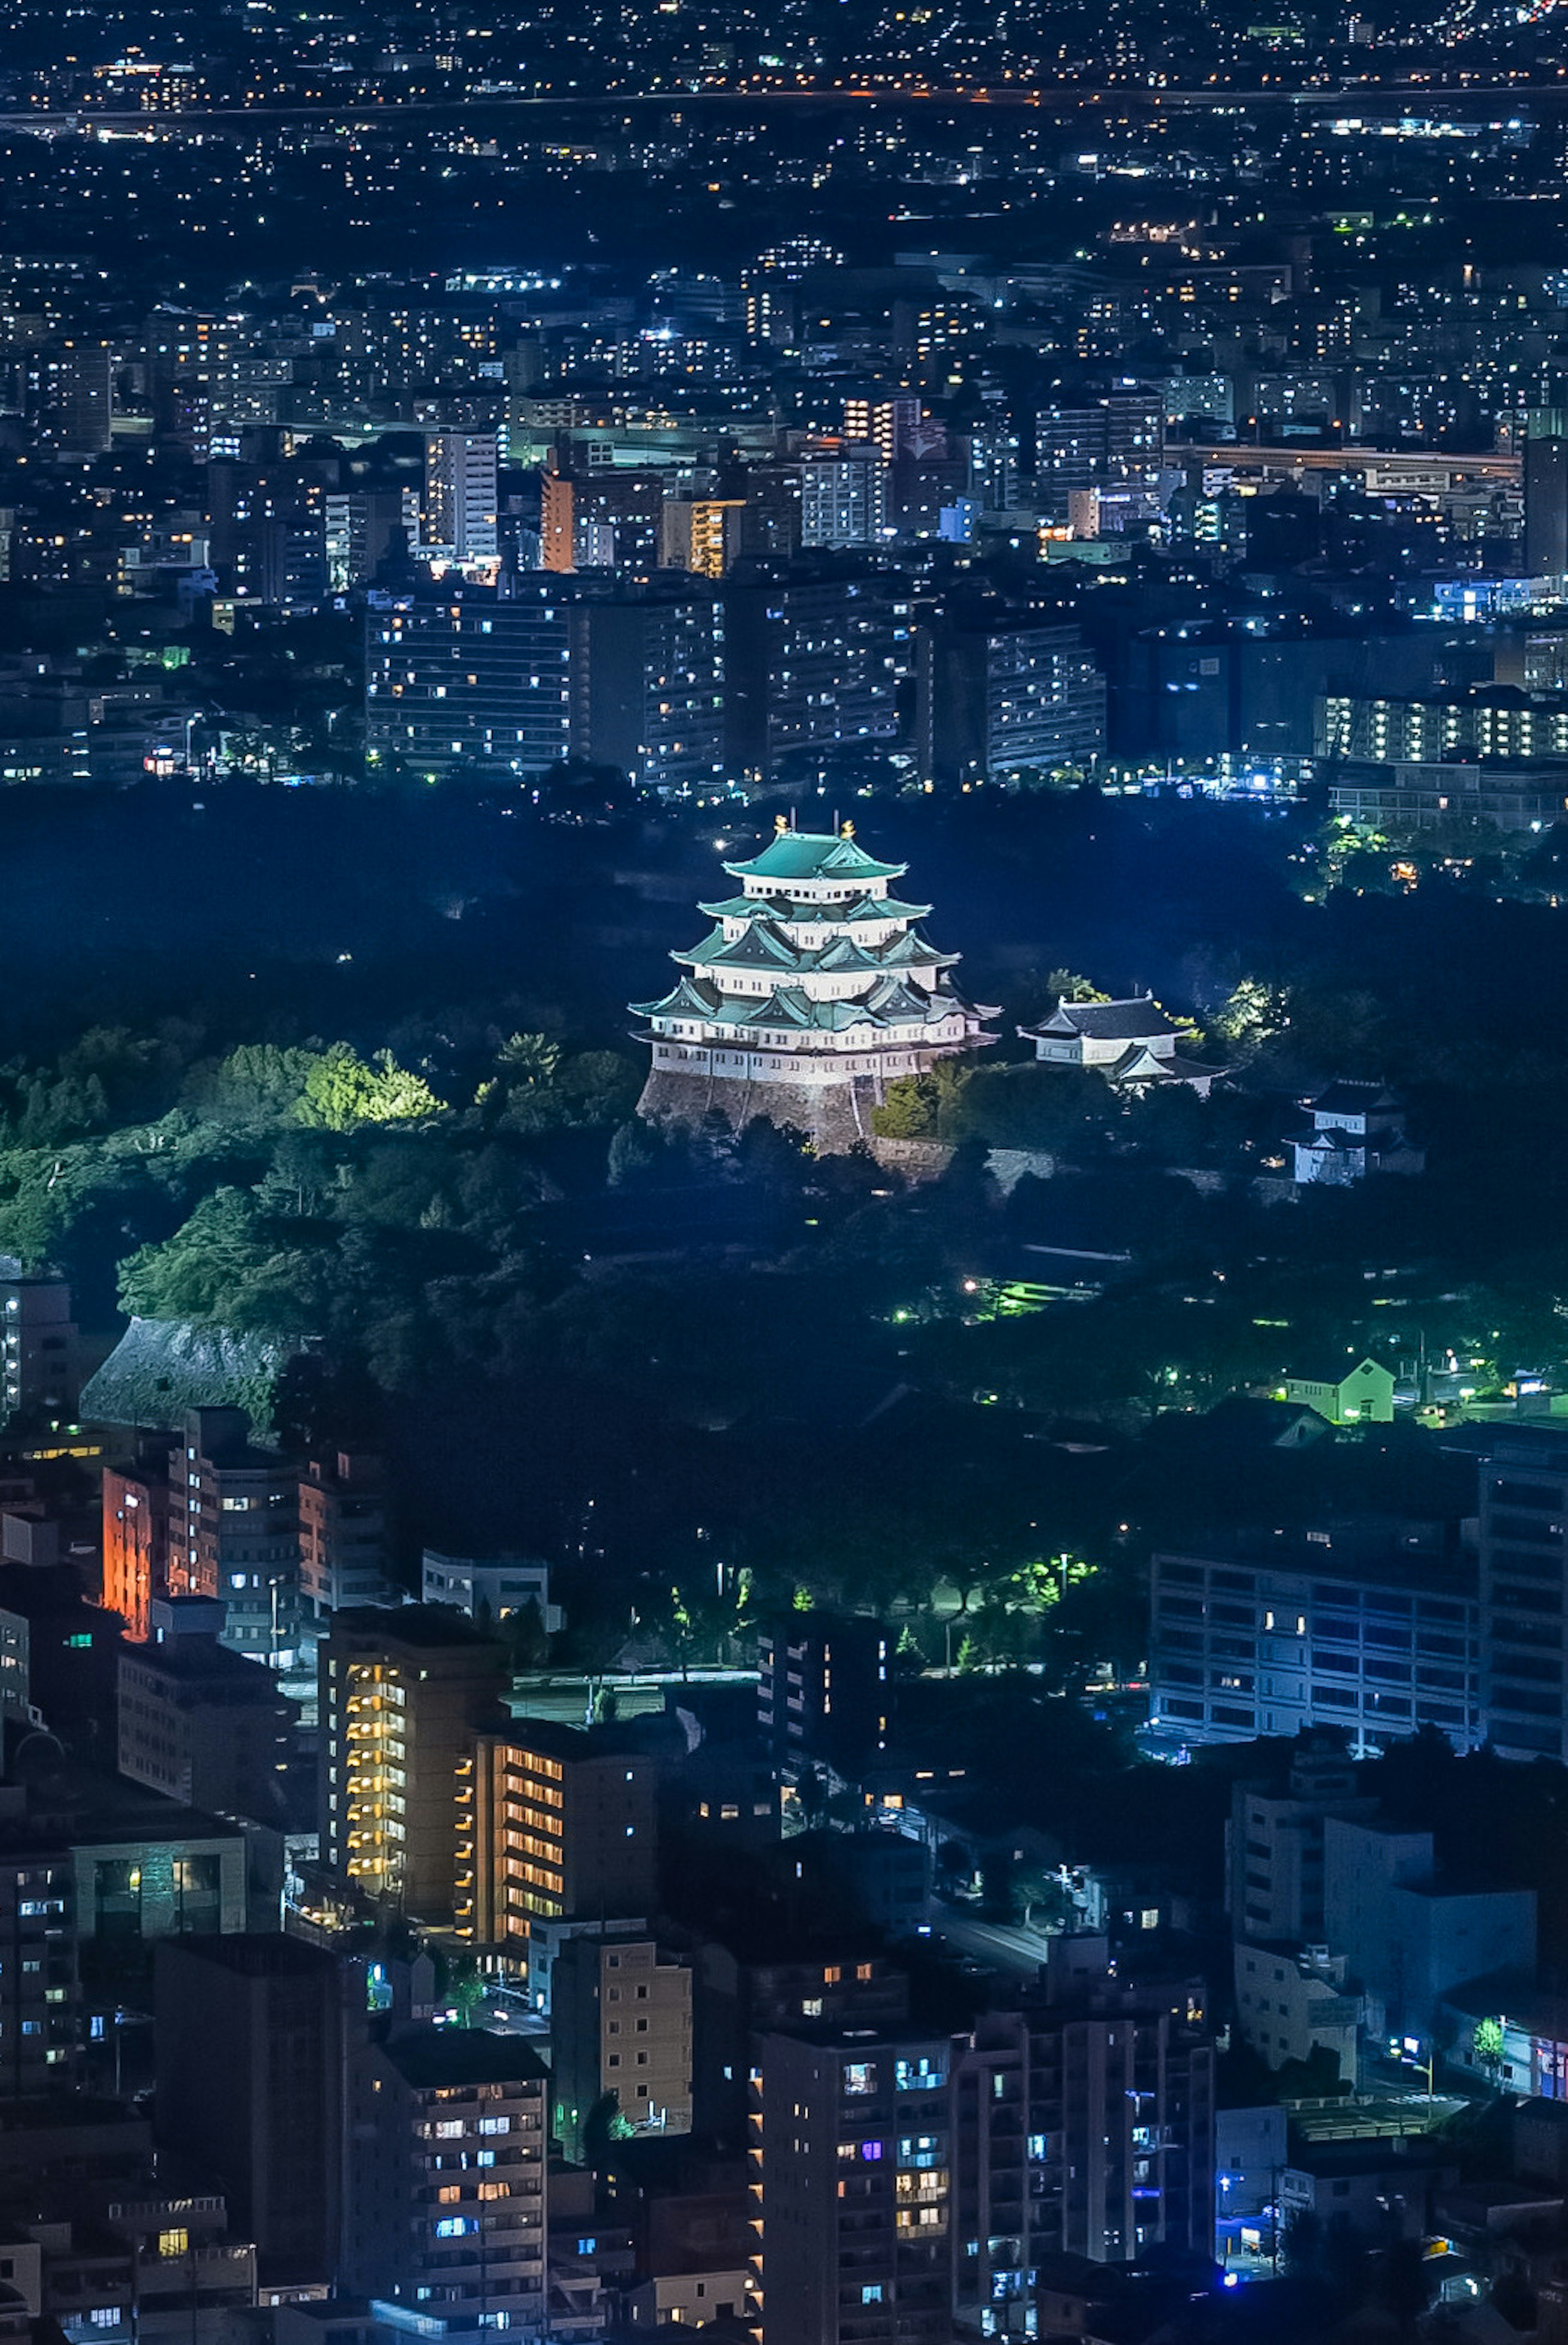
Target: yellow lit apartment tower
551,1821
700,533
402,1696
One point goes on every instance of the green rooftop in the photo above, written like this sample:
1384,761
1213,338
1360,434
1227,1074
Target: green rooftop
814,855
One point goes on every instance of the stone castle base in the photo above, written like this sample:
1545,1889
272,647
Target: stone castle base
836,1117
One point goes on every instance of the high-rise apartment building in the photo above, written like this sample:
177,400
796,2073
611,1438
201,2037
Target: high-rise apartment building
1546,496
1115,442
401,1694
1006,700
703,534
362,525
601,517
38,1370
822,1689
447,2210
460,498
851,2156
477,681
620,2032
768,285
625,672
345,1531
1274,1845
70,394
1082,2126
233,1530
136,1538
40,1988
1524,1595
647,676
844,499
250,2050
551,1821
816,654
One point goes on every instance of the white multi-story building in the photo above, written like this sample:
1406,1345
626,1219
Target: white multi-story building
844,499
491,1591
462,498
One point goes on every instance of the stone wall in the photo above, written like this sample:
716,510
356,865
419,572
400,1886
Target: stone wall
836,1116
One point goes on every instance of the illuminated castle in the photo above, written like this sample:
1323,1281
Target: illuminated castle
813,992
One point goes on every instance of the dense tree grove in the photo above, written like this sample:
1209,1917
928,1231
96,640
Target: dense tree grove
410,1158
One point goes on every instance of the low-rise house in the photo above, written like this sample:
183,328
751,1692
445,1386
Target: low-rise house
1131,1043
1346,1392
1357,1128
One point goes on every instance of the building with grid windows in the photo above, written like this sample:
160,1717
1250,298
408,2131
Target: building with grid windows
551,1822
1376,1632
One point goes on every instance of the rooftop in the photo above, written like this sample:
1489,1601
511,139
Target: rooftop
1133,1020
430,2058
814,855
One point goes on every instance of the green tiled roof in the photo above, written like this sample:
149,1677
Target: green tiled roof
814,855
758,947
687,1000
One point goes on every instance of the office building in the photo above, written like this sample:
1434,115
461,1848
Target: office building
445,2208
461,499
249,2049
345,1532
1525,1594
822,1689
200,1723
38,1371
233,1531
1374,1631
551,1821
1291,2005
146,1869
401,1694
620,2034
1531,794
477,683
